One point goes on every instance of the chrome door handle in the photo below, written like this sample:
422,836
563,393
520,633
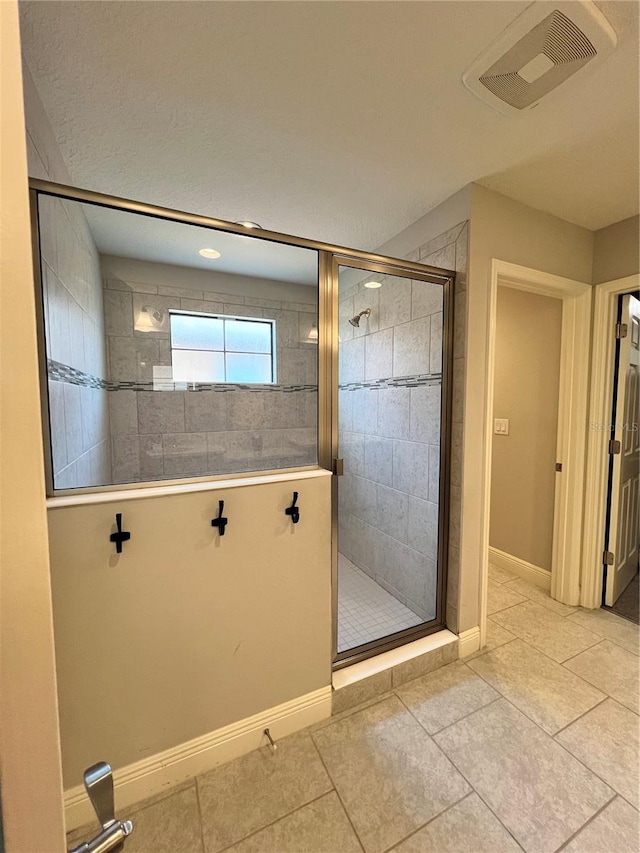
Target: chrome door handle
98,780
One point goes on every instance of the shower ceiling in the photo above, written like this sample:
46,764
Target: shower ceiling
340,121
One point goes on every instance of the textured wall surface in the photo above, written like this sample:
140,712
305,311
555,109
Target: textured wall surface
209,428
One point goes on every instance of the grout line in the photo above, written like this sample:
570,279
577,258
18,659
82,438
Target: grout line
431,819
274,822
340,800
199,813
584,713
591,819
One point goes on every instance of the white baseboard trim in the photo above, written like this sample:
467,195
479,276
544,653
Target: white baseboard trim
166,769
469,641
534,574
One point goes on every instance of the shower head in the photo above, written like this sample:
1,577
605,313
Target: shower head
355,321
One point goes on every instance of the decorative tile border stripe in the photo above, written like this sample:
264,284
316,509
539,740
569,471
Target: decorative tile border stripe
395,382
58,372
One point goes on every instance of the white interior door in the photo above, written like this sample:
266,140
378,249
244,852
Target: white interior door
623,528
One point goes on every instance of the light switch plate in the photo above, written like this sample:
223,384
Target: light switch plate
501,426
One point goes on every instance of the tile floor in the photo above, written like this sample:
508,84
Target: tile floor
366,611
530,744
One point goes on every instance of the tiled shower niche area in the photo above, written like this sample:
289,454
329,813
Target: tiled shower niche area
390,381
113,284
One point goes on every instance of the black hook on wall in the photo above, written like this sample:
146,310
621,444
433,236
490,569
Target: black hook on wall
121,535
293,510
220,522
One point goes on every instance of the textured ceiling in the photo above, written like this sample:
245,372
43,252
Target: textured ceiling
343,122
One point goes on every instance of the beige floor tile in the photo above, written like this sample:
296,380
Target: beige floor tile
389,774
607,741
467,827
361,691
500,575
610,626
611,669
616,829
320,827
496,636
255,790
535,787
546,631
423,664
540,595
445,696
545,691
171,825
500,598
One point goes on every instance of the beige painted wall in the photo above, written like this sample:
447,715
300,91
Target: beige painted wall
616,250
186,631
526,383
29,746
510,231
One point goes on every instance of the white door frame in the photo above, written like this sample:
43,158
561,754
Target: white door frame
572,423
601,397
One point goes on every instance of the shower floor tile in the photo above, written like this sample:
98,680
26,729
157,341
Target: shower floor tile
366,611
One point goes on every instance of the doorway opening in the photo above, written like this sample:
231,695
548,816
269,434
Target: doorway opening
563,577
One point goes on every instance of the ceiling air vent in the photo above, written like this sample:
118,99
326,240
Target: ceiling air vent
548,43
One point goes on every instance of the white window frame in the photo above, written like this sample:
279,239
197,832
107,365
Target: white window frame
227,317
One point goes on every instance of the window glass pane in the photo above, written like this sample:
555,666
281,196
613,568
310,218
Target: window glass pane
197,366
247,336
196,332
245,367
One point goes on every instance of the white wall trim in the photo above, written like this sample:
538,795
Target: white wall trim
535,574
166,769
601,398
572,422
469,641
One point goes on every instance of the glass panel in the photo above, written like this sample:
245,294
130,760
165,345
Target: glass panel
390,363
133,384
197,366
245,336
248,367
189,332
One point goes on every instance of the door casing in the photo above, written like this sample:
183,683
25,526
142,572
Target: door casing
572,423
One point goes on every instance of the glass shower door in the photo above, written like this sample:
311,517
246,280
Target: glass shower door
391,501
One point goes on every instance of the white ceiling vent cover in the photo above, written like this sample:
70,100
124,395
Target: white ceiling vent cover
548,43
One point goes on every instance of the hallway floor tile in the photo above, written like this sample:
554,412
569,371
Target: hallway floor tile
508,750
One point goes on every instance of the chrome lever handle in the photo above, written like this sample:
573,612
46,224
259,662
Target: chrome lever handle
99,784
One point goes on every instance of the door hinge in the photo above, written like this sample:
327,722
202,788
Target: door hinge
607,558
338,467
614,446
621,330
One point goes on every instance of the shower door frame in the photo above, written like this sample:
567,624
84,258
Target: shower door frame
330,451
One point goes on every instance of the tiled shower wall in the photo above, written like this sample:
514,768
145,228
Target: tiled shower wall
72,292
389,434
158,434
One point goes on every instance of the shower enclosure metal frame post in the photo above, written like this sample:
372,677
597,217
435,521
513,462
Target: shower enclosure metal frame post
330,257
400,269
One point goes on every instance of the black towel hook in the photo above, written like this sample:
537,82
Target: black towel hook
220,522
121,535
293,510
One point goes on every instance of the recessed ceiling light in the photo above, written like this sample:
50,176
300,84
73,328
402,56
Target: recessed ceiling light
248,224
209,253
373,284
